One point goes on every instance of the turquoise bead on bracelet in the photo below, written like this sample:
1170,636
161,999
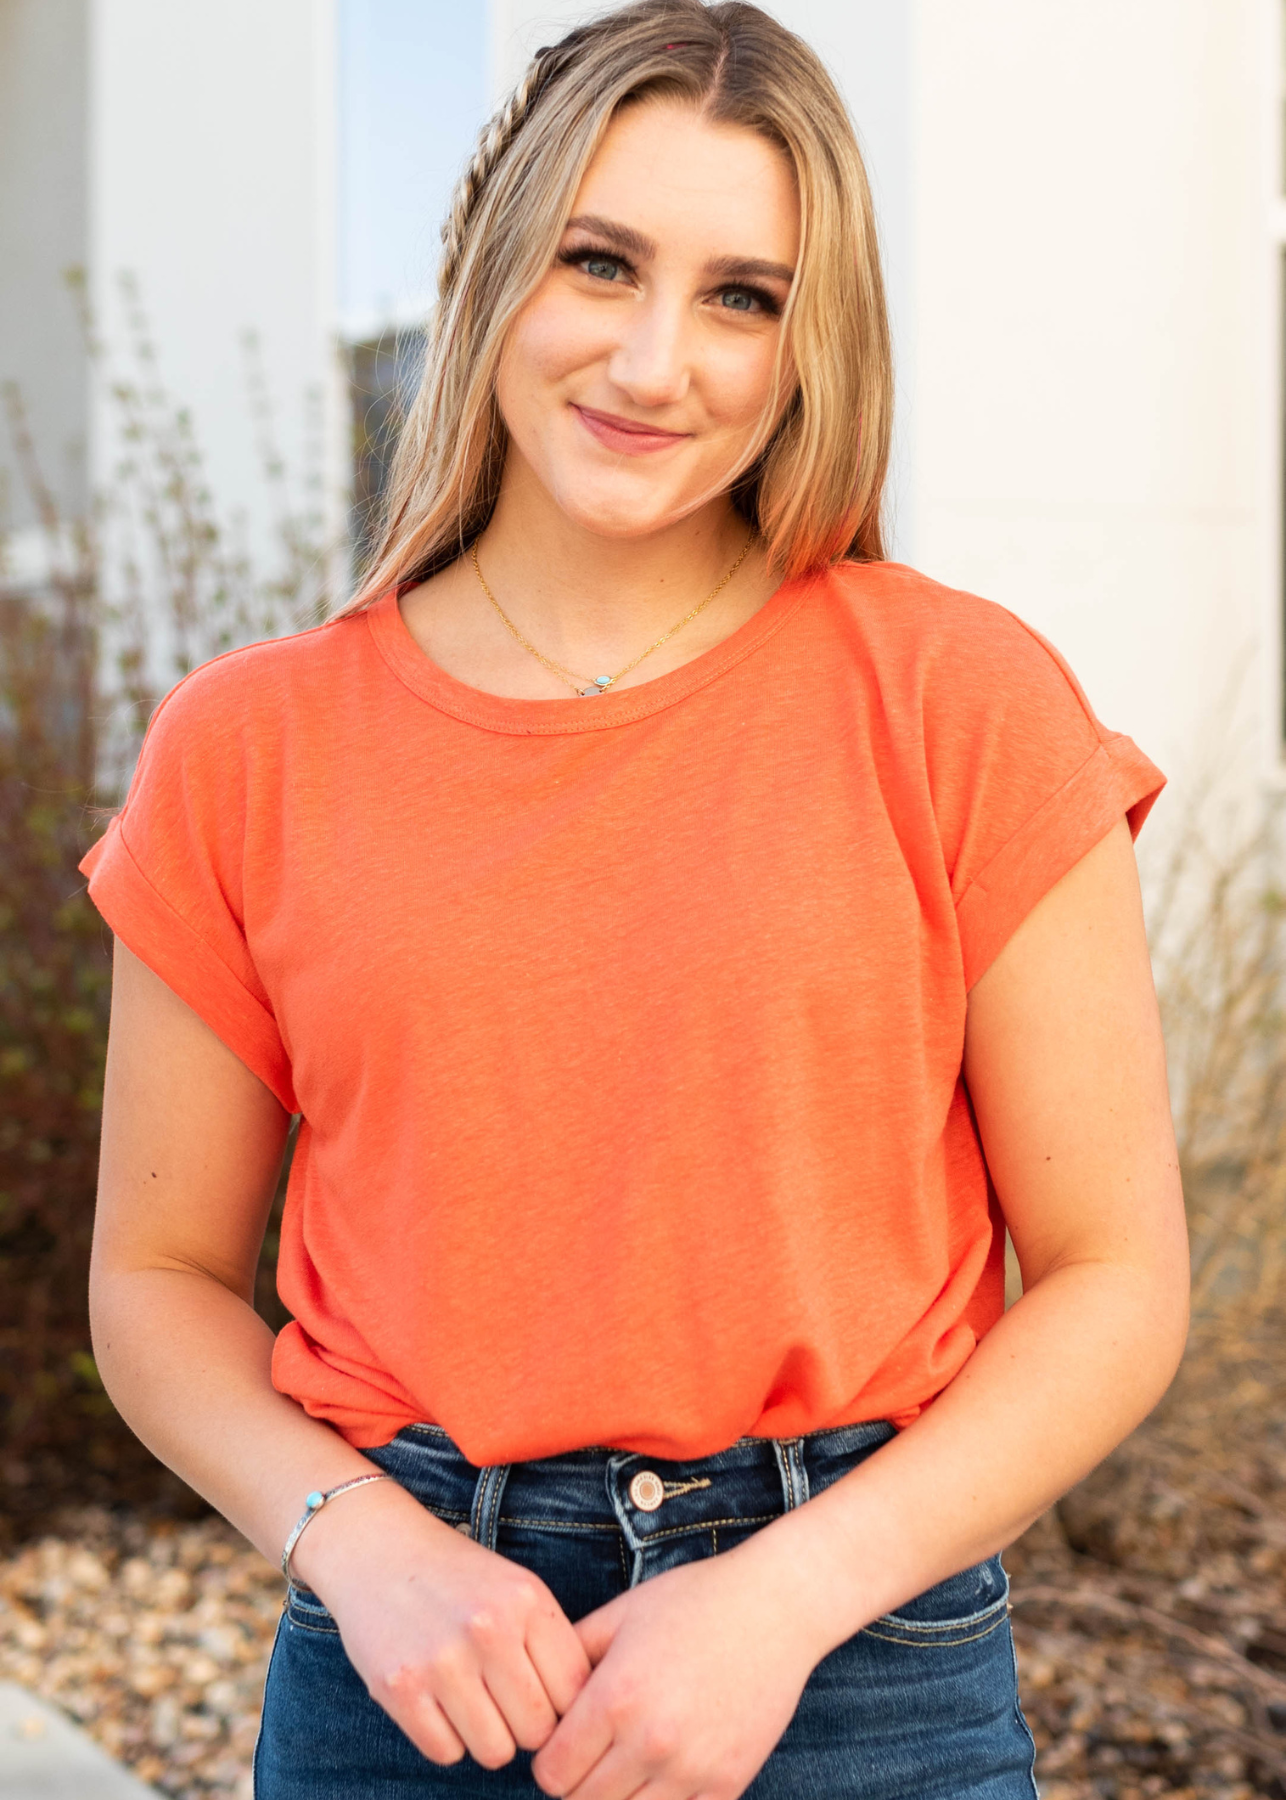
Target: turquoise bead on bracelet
313,1505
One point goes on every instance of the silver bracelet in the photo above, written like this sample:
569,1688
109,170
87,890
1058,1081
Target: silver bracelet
313,1505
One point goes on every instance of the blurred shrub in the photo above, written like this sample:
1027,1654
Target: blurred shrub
118,607
1218,933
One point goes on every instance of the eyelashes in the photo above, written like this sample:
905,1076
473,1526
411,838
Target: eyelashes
577,254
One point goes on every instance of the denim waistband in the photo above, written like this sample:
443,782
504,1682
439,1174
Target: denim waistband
647,1498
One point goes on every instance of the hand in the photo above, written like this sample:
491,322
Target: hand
697,1674
463,1649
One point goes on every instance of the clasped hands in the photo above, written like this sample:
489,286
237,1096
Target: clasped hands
677,1689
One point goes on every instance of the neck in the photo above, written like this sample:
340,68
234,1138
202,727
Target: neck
591,602
576,585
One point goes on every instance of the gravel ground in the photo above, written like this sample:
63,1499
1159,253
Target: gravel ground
1149,1614
153,1637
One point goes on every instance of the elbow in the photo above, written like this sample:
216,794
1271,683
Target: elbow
108,1326
1164,1315
1175,1337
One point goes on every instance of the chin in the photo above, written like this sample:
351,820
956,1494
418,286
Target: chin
628,515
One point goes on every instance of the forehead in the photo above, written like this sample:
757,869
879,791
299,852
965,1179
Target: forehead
686,182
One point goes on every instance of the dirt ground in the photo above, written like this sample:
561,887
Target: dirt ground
1150,1606
1149,1615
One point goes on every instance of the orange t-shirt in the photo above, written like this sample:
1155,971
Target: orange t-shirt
626,1031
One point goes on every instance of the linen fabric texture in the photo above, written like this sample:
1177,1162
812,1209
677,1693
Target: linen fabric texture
626,1032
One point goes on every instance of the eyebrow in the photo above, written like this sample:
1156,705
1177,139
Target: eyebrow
634,243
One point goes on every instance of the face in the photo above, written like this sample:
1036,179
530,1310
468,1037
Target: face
635,379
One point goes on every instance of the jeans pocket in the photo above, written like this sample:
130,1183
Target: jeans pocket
305,1610
960,1610
423,1461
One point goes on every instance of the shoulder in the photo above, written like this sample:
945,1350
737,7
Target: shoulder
252,695
956,651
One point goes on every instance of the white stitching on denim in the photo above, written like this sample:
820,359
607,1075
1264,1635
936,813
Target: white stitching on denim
295,1604
790,1466
491,1487
795,1450
318,1630
652,1537
915,1641
556,1524
974,1618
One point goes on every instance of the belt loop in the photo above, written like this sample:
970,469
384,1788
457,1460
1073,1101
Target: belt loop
484,1520
794,1477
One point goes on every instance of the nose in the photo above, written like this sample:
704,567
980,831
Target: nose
651,361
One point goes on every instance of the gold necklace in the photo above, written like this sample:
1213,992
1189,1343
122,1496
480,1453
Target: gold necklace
601,683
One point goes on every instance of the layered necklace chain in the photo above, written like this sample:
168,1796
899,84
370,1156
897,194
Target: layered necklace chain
601,683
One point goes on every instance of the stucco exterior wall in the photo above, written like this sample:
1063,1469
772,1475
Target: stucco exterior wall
1094,406
213,184
44,225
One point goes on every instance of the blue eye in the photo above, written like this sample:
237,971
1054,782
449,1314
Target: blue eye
597,264
737,300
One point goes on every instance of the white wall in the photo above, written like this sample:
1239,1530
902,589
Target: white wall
1094,403
43,233
867,46
213,183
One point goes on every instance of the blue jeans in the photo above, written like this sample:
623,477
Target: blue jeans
921,1705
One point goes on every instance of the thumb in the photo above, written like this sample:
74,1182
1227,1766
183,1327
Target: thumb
597,1629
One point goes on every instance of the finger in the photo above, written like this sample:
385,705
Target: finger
518,1691
478,1719
617,1776
558,1656
428,1728
582,1738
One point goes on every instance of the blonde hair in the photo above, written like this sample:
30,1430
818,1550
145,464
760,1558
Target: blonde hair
814,488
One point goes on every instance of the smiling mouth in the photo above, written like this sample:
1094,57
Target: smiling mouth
626,435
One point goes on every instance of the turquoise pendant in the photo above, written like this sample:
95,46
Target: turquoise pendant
601,685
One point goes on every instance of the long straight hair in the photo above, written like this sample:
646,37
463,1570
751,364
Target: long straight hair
814,481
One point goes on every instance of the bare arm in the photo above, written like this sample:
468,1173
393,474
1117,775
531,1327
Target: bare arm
191,1151
1066,1070
461,1647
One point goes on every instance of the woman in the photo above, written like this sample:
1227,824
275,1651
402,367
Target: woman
689,940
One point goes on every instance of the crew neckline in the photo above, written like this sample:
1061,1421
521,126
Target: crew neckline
524,718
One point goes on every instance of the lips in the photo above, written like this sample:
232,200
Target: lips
626,436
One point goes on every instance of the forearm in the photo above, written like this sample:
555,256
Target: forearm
1060,1380
187,1364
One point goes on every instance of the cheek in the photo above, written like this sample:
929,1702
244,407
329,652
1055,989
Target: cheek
551,339
738,379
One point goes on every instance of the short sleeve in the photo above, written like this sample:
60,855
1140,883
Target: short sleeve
168,874
1025,779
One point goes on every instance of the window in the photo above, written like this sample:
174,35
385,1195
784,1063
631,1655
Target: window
384,373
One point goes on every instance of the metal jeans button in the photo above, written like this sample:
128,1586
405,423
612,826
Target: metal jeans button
646,1490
